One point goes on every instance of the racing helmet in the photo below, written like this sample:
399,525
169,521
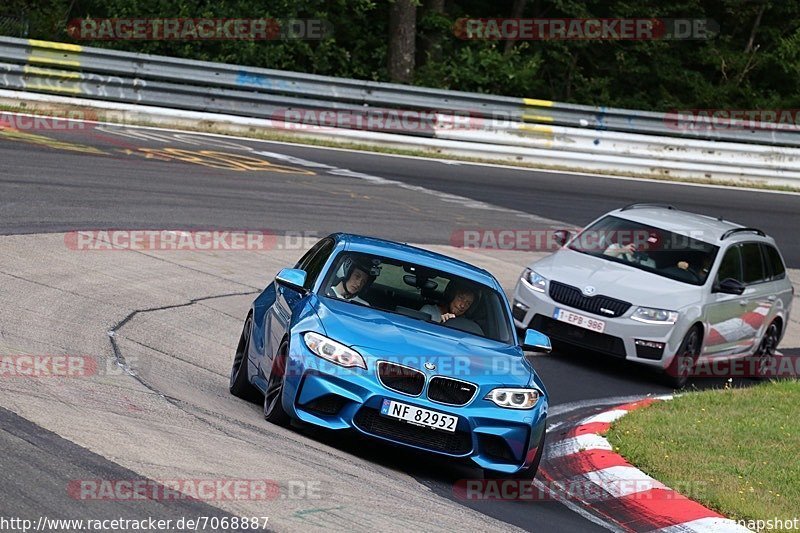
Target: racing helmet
371,267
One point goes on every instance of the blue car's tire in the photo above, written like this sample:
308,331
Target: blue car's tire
273,398
239,384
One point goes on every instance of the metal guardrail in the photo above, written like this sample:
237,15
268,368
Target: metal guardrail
517,127
257,92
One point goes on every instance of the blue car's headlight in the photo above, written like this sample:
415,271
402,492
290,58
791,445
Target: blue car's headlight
534,280
514,398
335,352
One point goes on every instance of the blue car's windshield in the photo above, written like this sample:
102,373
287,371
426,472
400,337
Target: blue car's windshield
418,292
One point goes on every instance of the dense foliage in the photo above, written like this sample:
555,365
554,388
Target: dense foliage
754,62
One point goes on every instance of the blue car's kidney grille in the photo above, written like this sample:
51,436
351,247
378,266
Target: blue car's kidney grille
598,305
371,421
401,378
450,391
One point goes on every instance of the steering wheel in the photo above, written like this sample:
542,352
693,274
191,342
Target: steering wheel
684,273
695,275
464,324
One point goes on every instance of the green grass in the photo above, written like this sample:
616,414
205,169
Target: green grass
60,110
737,451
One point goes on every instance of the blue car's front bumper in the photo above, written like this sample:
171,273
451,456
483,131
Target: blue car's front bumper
326,395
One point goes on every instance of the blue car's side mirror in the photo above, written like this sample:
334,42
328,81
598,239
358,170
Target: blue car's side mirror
293,278
537,342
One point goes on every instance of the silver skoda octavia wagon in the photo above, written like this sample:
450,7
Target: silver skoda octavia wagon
663,287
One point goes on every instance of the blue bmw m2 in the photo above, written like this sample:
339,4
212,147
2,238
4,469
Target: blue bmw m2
400,344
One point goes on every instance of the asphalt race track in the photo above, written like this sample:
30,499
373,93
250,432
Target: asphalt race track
161,326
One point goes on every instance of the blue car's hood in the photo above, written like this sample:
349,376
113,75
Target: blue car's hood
379,335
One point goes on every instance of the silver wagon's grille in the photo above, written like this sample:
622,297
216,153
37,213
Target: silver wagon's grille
598,305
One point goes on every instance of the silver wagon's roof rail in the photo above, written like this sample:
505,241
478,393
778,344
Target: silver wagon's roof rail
645,204
742,230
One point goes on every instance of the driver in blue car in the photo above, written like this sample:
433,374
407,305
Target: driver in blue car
461,301
355,277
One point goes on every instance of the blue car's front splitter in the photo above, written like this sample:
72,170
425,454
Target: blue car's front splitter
326,395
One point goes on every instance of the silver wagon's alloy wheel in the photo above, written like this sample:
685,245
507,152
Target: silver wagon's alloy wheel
766,350
685,359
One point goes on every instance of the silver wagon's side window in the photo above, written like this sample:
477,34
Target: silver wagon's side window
777,268
731,265
753,263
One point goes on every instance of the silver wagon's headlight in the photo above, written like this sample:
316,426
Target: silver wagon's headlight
651,315
534,280
335,352
514,398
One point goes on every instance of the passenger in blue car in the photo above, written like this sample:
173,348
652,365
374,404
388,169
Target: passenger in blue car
353,279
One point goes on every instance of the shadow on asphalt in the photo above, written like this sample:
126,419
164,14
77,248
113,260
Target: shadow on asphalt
440,475
576,375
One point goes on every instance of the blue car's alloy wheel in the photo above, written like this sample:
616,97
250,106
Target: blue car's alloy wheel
240,383
273,399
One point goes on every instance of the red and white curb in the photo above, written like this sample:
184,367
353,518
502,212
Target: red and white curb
622,494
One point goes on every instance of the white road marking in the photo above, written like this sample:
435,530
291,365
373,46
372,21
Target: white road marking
575,508
377,180
565,447
621,481
105,105
565,408
606,417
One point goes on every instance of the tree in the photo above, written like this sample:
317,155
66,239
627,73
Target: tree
432,27
517,9
402,40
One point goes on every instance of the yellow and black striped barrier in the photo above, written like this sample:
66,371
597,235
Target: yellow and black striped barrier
536,118
40,72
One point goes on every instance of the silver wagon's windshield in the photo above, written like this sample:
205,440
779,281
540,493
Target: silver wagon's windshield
662,252
418,292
